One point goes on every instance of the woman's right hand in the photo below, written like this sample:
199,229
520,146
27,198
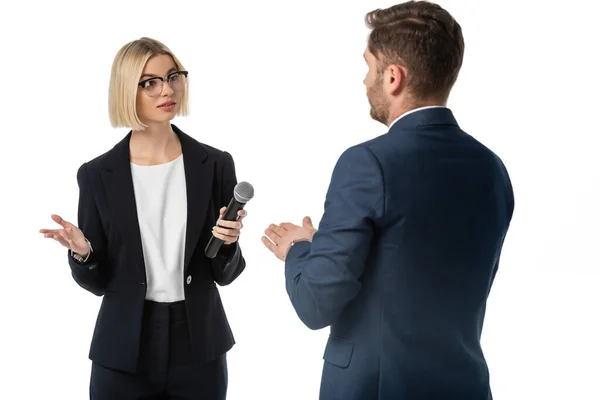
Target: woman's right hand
69,236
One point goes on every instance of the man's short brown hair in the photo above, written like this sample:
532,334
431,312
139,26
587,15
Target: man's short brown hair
424,38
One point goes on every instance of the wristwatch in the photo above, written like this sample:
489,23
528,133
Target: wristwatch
80,259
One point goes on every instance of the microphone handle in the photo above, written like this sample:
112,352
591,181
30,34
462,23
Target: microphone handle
214,244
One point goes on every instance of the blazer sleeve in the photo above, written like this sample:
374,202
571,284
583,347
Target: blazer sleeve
324,275
229,262
91,275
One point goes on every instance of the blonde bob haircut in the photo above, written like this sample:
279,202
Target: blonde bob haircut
127,68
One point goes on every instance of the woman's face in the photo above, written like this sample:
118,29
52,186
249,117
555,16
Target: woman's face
159,102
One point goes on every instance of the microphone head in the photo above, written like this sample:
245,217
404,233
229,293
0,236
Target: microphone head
243,192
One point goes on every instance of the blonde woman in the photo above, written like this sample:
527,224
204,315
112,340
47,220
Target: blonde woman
147,208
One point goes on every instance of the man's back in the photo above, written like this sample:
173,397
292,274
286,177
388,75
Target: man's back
410,238
412,329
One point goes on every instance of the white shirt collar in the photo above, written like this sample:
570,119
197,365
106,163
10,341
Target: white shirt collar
412,111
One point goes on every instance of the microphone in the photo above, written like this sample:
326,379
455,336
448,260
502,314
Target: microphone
242,193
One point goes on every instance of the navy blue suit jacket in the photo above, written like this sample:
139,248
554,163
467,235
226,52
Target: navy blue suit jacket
403,261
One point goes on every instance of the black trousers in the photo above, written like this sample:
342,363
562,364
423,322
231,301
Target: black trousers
165,367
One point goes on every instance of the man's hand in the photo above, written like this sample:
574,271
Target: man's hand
279,238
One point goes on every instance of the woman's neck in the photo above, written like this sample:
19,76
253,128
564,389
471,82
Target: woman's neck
155,145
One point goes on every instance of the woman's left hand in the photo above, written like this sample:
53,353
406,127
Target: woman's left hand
229,231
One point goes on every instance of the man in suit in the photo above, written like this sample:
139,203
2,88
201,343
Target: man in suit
410,239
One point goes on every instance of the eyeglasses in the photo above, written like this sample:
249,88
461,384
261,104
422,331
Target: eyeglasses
153,87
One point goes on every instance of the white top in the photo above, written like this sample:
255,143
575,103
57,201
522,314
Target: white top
161,201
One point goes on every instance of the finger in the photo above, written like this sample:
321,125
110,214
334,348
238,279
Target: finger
237,225
67,233
60,240
226,232
288,226
48,231
222,210
242,213
280,231
58,219
270,232
307,222
272,227
226,239
230,224
66,239
52,233
268,244
273,237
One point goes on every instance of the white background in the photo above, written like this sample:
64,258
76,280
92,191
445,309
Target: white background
281,89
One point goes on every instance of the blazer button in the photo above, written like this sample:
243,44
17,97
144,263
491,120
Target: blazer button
189,279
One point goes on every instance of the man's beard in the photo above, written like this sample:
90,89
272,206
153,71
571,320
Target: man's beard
380,108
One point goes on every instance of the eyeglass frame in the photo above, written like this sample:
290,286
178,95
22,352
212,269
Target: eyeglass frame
141,84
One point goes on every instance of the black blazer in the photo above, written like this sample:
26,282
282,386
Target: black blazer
107,216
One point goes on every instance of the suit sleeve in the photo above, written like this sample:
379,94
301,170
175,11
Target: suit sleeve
324,275
509,209
229,262
91,275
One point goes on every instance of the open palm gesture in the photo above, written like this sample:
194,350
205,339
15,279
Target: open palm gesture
69,236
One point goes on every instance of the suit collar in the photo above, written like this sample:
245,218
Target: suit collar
424,117
118,157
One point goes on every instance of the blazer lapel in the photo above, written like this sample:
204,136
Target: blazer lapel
118,186
199,180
